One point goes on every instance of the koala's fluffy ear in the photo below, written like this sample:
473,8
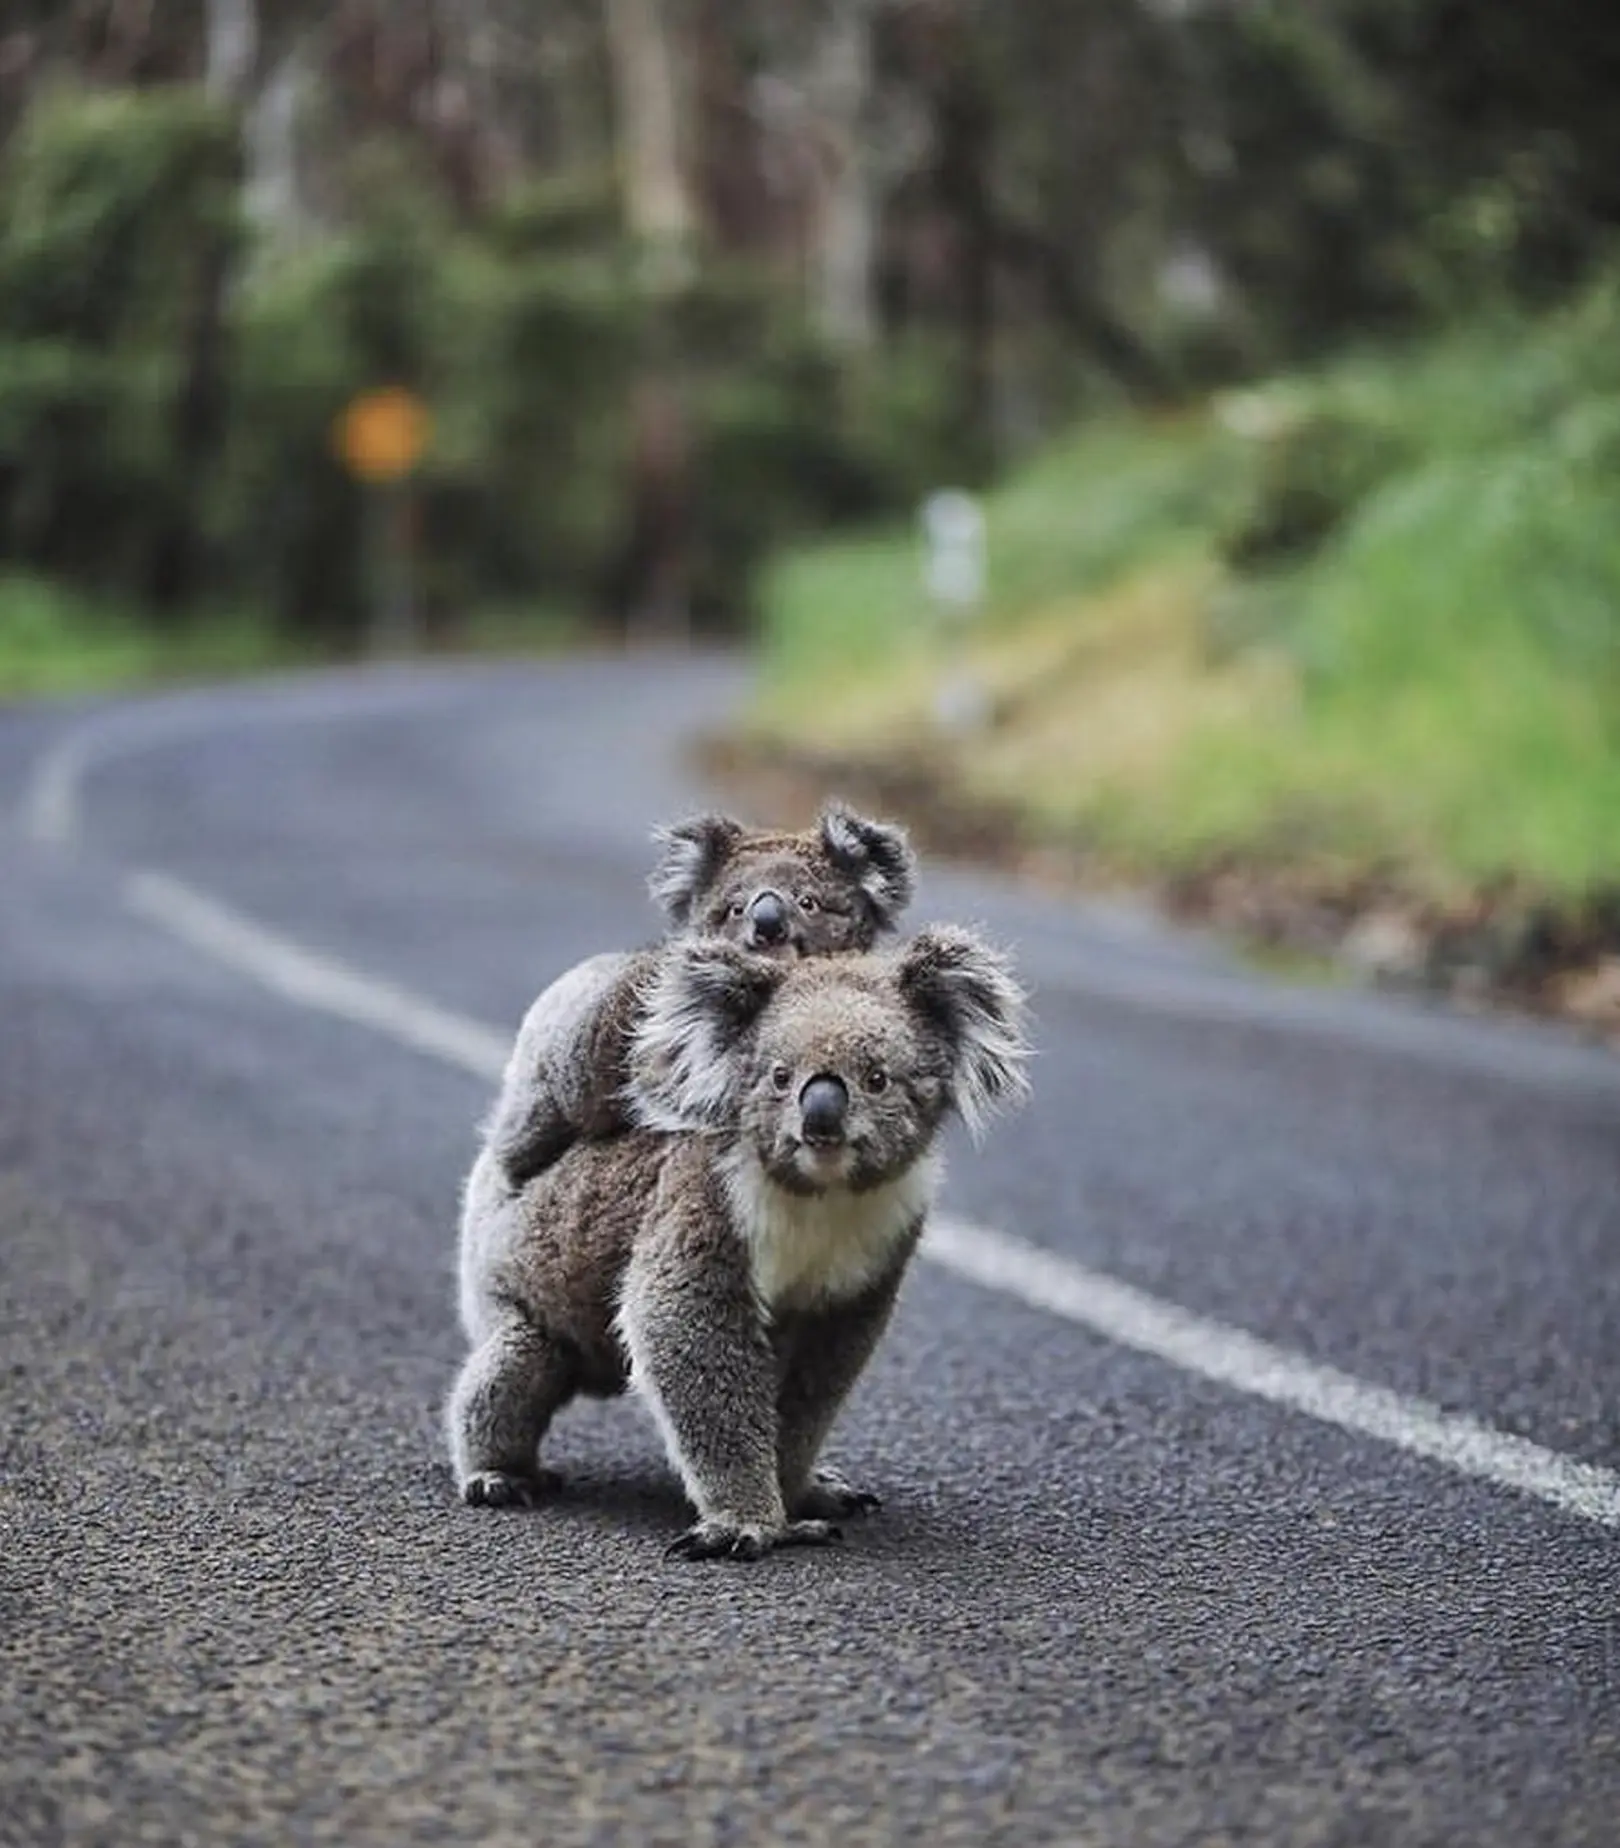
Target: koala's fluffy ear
689,1050
877,855
694,851
966,991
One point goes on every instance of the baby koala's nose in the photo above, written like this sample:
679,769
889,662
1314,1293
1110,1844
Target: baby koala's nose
768,920
823,1105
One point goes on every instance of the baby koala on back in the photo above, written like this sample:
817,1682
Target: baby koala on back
837,886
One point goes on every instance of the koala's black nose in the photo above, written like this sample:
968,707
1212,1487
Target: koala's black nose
768,918
823,1105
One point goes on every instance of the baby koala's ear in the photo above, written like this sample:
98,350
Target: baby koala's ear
689,1049
877,855
965,992
694,852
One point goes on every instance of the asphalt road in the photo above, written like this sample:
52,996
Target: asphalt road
1110,1598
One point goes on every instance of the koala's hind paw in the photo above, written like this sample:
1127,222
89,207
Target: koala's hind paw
718,1538
499,1488
828,1496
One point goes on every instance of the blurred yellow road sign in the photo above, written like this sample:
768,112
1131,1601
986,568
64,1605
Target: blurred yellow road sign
381,434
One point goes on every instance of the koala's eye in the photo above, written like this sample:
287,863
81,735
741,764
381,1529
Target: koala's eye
736,908
781,1076
877,1079
809,902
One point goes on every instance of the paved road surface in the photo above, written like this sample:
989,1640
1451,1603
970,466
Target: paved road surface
1124,1590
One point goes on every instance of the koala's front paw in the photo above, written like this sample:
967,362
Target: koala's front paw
721,1538
829,1497
499,1488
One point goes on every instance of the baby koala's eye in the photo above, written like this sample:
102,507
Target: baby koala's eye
736,908
877,1079
809,902
781,1076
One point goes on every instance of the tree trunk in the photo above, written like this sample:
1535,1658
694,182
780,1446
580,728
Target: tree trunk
176,567
651,581
272,195
966,130
647,107
847,231
232,48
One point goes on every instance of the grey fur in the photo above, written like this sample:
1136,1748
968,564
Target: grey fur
694,851
844,882
877,856
736,1272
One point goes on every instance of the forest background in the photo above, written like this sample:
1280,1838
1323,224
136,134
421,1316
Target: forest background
1282,337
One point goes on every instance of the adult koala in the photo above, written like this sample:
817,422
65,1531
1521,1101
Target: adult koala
836,886
740,1270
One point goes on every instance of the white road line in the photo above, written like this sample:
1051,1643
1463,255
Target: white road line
52,801
991,1259
1232,1358
313,981
50,805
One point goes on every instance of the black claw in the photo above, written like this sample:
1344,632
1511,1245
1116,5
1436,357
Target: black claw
497,1489
695,1546
733,1543
717,1544
833,1498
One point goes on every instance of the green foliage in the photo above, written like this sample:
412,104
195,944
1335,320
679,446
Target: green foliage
1456,633
1506,115
112,211
1109,198
1113,497
1412,654
54,640
287,515
903,420
311,329
107,198
1311,473
1119,494
525,332
1345,169
564,215
1314,210
524,363
797,443
535,359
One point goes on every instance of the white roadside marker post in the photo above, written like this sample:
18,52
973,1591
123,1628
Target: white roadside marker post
954,574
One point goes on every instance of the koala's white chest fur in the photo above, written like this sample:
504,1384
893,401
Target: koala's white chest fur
810,1249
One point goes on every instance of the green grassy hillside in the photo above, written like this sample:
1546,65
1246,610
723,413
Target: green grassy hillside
1364,617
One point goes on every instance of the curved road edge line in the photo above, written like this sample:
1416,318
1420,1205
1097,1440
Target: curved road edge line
49,809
